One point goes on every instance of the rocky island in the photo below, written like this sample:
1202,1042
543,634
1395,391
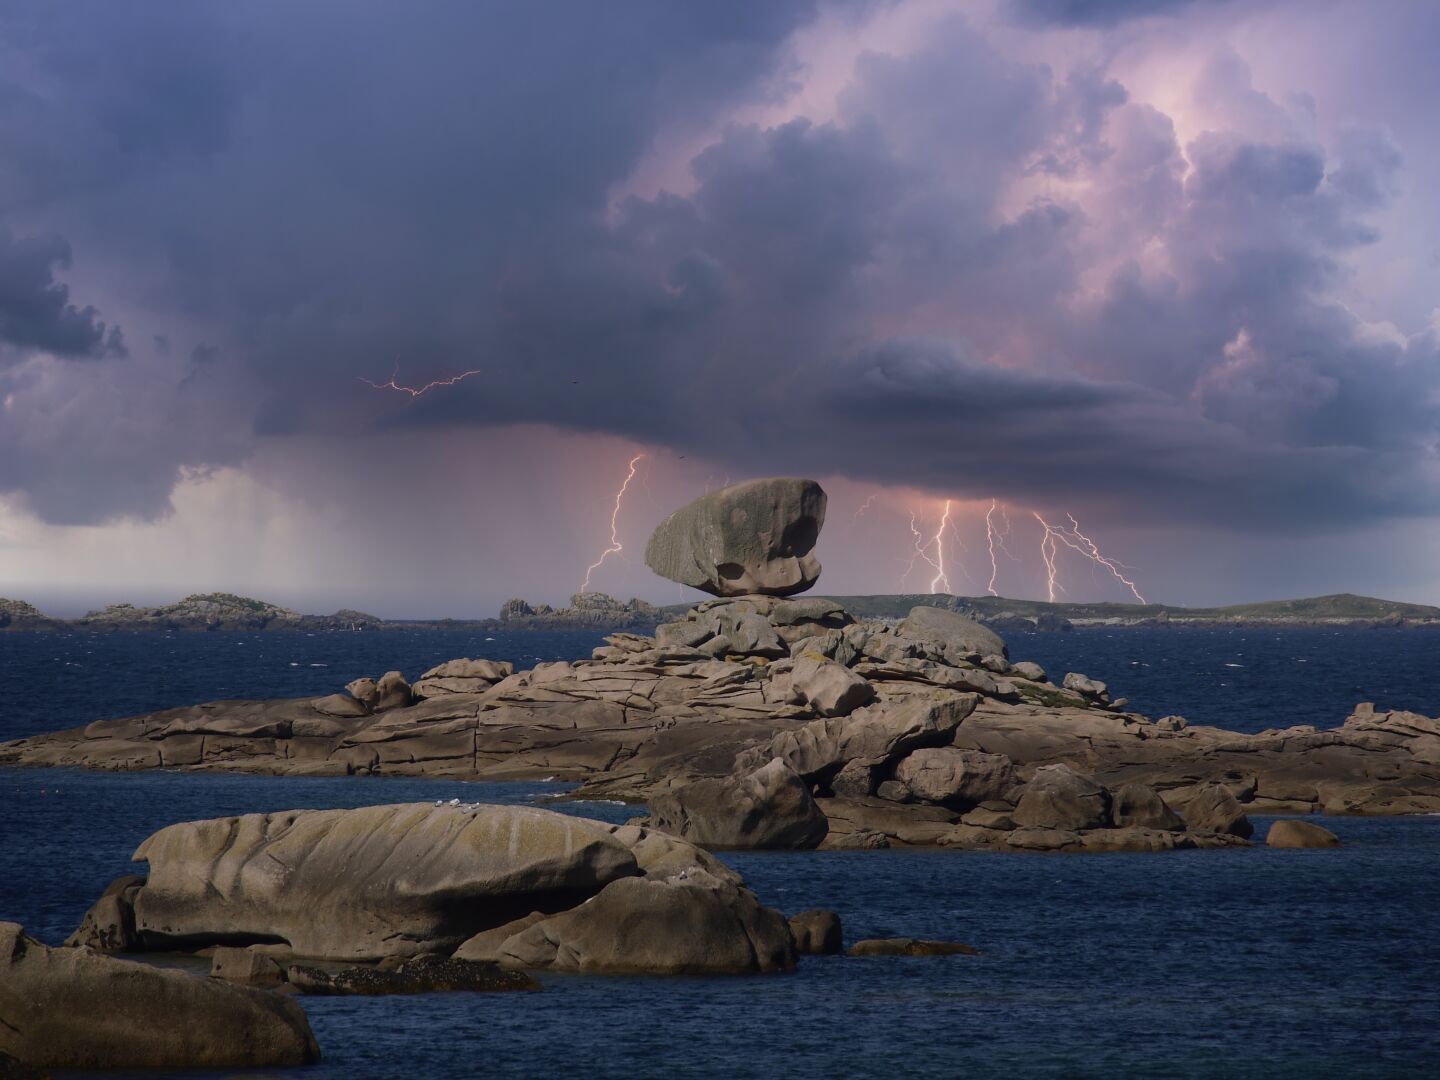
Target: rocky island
759,719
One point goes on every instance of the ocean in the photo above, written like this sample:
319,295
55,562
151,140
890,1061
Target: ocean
1231,963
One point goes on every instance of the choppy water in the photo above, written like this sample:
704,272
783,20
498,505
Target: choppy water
1246,963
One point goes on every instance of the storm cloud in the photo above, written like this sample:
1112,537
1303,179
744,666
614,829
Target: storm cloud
986,271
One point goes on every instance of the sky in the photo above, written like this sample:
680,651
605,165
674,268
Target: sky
1166,268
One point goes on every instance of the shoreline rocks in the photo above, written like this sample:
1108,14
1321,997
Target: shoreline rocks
71,1008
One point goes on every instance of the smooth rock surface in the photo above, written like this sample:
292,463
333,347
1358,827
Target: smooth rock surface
1290,833
372,882
697,925
1057,797
955,777
959,637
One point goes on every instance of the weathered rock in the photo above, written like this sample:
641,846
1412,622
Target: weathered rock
958,638
76,1009
817,933
1041,838
875,733
955,777
245,966
903,946
1059,798
417,975
367,883
109,925
768,808
1139,805
364,691
1216,810
754,537
1028,669
462,677
857,780
831,689
1290,833
391,692
486,944
697,925
1083,684
11,1068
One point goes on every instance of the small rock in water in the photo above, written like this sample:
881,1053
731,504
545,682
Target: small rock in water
904,946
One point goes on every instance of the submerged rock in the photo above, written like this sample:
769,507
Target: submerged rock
76,1009
419,975
903,946
754,537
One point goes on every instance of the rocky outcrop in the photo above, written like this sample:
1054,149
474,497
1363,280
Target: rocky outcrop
18,615
1290,833
109,925
368,883
751,538
221,611
76,1009
586,611
768,808
691,925
741,681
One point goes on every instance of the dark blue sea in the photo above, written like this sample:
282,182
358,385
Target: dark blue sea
1236,963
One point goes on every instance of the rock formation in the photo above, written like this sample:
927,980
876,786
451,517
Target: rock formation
75,1009
750,538
411,884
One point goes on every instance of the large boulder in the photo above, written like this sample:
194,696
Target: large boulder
372,882
1058,798
817,933
1216,810
1290,833
768,808
955,777
952,636
77,1009
755,537
696,925
462,677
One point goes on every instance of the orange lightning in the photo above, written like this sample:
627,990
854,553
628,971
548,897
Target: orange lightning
1074,539
415,391
615,546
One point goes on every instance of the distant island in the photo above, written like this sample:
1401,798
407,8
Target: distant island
600,612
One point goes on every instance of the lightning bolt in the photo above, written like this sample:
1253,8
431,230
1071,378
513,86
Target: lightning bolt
863,507
415,391
991,534
615,547
1074,539
939,542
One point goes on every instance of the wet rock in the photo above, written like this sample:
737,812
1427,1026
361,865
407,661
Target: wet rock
903,946
695,925
419,975
768,808
1290,833
77,1009
1057,797
817,933
754,537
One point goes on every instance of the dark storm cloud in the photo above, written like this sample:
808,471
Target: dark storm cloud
1150,327
35,308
